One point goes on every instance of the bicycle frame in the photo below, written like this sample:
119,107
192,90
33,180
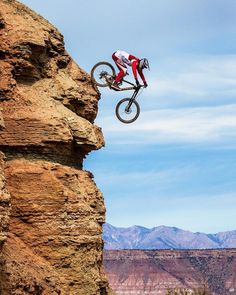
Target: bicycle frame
132,87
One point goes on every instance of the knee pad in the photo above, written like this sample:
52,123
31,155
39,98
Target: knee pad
125,71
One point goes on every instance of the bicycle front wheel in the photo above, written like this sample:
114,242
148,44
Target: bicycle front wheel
127,113
101,72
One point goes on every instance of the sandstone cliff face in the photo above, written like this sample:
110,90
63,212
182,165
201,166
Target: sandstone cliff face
153,272
51,211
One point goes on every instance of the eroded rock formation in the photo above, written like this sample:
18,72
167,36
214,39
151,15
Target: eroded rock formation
153,272
51,211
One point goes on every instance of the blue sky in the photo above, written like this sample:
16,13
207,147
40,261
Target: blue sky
176,165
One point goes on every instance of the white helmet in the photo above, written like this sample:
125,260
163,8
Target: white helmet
143,64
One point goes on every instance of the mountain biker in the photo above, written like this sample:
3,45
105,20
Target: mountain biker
122,59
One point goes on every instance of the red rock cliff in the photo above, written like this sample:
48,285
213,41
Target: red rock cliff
152,272
51,211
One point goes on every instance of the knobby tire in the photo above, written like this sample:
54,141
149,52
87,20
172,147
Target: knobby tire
118,110
100,65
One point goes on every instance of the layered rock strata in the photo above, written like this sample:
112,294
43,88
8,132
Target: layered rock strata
153,272
51,211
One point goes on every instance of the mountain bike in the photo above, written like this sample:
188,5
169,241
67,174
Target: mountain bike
127,109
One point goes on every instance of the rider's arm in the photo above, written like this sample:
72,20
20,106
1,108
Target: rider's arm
142,76
134,68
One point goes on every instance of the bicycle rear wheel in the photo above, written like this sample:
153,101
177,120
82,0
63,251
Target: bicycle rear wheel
101,72
125,113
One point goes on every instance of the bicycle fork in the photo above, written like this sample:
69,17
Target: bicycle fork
127,109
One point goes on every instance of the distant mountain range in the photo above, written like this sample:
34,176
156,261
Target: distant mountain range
164,237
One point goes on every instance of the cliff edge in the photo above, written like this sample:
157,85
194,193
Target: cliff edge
51,212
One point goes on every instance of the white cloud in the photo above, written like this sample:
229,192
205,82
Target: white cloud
187,125
151,179
195,77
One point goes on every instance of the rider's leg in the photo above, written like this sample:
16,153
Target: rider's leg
121,66
116,83
120,75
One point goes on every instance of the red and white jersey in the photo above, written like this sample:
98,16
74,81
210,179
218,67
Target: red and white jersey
124,56
122,53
